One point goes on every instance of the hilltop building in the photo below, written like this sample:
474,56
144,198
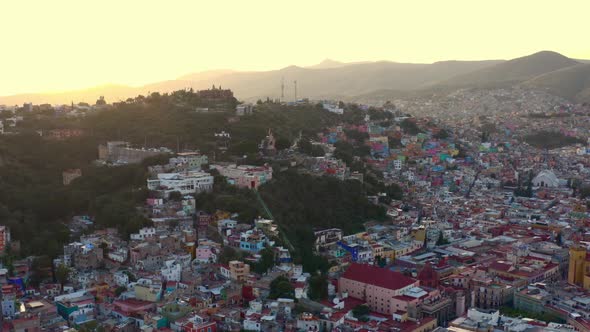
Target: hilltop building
189,182
243,109
245,176
120,152
214,94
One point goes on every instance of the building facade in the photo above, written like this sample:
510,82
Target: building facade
189,182
377,286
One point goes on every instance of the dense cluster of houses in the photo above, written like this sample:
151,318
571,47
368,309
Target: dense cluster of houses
490,236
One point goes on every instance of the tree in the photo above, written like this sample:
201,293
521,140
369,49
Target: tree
282,143
298,211
281,287
559,239
175,196
244,148
526,191
441,239
381,261
409,127
119,290
361,311
267,261
131,276
358,136
318,287
62,274
40,270
228,254
305,145
394,191
442,134
551,140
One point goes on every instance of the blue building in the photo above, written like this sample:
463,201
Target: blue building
253,240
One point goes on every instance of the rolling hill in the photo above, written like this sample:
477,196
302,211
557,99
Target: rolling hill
546,70
112,92
364,81
512,71
329,79
572,82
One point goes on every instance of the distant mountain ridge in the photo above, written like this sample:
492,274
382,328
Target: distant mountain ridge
515,70
571,82
332,79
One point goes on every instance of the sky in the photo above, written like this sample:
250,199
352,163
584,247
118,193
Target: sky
50,46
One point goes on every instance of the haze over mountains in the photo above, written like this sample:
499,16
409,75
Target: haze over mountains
362,80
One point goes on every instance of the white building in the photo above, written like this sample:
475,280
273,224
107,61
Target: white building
121,278
189,182
184,259
333,108
308,322
144,233
245,176
546,178
8,305
172,270
189,160
410,175
226,226
397,164
252,323
119,255
243,109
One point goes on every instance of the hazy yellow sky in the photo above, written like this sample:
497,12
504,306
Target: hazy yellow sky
58,44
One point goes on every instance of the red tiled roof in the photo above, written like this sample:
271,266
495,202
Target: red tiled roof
404,298
337,316
377,276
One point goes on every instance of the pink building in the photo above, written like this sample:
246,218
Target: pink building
245,176
378,287
205,254
130,306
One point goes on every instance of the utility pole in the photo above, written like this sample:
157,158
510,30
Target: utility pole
283,88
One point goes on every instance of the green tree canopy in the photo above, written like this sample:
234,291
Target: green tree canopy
281,287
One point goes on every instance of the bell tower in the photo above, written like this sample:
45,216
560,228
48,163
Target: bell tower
577,265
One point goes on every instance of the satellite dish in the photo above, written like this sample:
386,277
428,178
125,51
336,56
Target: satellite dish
336,300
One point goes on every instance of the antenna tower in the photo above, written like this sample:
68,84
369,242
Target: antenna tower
283,89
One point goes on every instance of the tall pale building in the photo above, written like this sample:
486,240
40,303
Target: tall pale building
578,267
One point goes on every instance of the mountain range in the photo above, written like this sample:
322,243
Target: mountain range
365,81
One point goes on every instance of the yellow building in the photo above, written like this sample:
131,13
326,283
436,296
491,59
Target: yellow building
579,267
388,253
236,270
148,292
190,248
377,250
419,234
